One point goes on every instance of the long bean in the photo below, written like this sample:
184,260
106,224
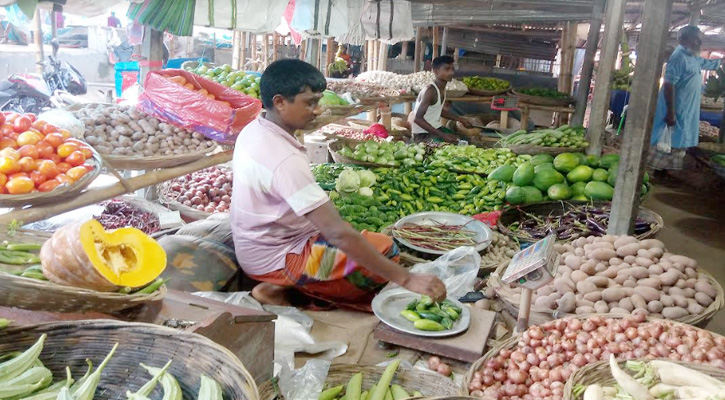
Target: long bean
440,237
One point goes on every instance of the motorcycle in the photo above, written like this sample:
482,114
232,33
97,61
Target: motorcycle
24,93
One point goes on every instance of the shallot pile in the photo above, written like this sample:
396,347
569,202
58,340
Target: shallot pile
208,190
118,213
538,366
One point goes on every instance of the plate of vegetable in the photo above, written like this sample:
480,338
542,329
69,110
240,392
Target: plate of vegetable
440,232
419,315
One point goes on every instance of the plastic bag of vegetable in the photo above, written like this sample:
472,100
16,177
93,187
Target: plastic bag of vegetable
457,269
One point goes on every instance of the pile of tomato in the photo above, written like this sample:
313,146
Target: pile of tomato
37,156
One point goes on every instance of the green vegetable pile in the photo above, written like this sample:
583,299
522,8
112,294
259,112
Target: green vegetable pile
569,176
383,390
364,212
715,85
330,98
326,174
481,83
225,75
544,92
473,159
427,315
564,136
23,376
386,153
355,181
718,159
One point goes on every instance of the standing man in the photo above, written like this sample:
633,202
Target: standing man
113,21
678,105
425,119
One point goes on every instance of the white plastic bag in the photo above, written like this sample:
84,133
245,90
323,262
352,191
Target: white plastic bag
64,120
305,383
664,145
390,21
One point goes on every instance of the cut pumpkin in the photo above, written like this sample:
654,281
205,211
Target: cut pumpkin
86,255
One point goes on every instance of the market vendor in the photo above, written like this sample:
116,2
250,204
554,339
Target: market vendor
425,119
678,104
287,233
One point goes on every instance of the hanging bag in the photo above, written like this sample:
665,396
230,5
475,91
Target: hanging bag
664,145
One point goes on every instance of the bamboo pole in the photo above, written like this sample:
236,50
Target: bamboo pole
236,47
436,40
456,56
243,50
444,41
38,38
265,51
253,40
275,47
371,55
383,56
582,94
329,55
404,50
92,196
303,49
417,49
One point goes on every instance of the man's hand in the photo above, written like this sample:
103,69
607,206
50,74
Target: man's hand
670,118
466,123
428,285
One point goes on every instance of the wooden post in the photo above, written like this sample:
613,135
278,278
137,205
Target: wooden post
38,38
607,58
265,50
369,48
436,40
303,50
444,41
383,56
404,50
54,23
236,47
456,56
329,55
566,74
319,53
582,94
524,116
504,124
242,49
253,40
152,50
416,50
695,16
275,47
642,104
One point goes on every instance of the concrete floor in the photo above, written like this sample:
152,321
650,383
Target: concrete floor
693,209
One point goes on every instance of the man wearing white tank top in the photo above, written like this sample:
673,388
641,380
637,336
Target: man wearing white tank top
425,119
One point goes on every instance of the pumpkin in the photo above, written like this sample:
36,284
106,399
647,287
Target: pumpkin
85,255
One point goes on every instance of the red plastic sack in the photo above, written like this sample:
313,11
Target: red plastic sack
490,218
193,110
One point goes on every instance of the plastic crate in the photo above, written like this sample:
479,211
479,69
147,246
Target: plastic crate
127,74
176,62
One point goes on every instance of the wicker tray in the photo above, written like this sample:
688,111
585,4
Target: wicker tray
429,384
487,93
190,213
513,214
335,146
540,315
59,194
533,150
513,341
601,374
542,101
131,163
71,343
342,110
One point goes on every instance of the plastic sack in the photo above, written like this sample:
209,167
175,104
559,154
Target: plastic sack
457,269
664,145
64,120
387,20
190,109
252,16
217,229
331,18
305,383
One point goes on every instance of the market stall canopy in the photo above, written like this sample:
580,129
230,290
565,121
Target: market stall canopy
87,8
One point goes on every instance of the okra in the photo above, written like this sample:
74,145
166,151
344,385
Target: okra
398,392
364,395
4,322
172,390
153,286
32,379
24,246
388,395
331,393
149,386
16,366
74,387
52,391
382,386
354,387
87,390
417,394
64,394
209,389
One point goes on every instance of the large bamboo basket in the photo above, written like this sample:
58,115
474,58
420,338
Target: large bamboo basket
539,315
335,146
513,341
136,163
487,93
599,373
430,384
542,101
59,194
71,343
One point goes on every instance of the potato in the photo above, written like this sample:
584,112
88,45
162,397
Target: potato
674,312
601,307
680,301
638,301
585,287
703,299
690,283
578,276
690,272
599,281
628,249
139,147
651,282
693,307
593,296
649,244
655,306
670,277
638,272
579,252
644,253
676,291
630,283
598,245
705,287
667,300
648,293
602,254
610,273
573,262
656,252
644,262
619,310
584,310
582,302
615,261
688,292
630,259
563,269
621,278
681,283
563,285
613,294
588,269
655,270
686,261
625,240
626,303
567,303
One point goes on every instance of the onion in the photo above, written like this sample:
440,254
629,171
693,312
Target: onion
517,376
536,333
533,359
518,356
433,363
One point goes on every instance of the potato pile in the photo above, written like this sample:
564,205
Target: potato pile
620,274
501,249
126,131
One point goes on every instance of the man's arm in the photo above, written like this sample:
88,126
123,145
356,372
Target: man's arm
341,235
669,90
428,99
447,113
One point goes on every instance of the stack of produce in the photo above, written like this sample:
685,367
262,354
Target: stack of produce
620,274
540,362
544,92
326,174
362,90
472,159
330,98
709,131
488,84
501,249
404,83
24,376
37,156
654,379
225,75
351,181
569,176
118,213
382,390
350,133
563,136
208,190
365,212
386,153
126,131
427,315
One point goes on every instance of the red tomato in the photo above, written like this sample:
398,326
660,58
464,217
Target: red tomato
29,137
48,185
48,128
37,177
29,151
22,124
39,124
6,128
11,116
76,158
20,185
10,152
54,139
48,168
63,167
87,152
32,117
27,164
63,178
66,148
8,143
76,173
13,135
65,133
45,150
3,179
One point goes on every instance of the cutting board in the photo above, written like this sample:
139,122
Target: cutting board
466,347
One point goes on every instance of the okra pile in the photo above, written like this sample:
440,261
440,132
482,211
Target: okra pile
427,315
23,376
383,390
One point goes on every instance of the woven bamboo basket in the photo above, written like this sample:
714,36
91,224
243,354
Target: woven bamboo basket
335,146
487,93
533,150
341,110
599,373
71,343
513,341
542,101
431,385
189,213
557,208
134,163
539,315
59,194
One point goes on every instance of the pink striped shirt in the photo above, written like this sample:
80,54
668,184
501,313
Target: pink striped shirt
273,190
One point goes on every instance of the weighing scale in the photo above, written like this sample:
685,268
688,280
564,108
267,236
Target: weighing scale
504,104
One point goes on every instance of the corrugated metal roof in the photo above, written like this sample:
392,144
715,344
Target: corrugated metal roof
490,43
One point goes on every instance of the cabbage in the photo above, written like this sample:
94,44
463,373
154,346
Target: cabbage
367,178
365,191
348,181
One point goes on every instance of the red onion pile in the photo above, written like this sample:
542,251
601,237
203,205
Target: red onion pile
547,355
351,133
208,190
